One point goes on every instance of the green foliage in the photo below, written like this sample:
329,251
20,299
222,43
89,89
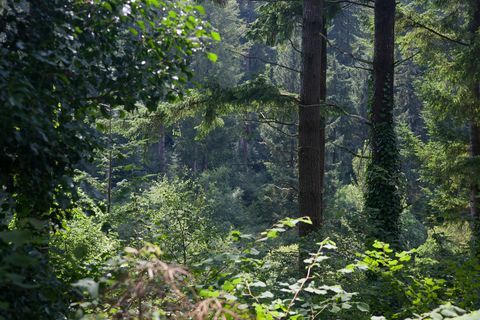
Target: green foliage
68,67
237,289
63,64
79,249
383,197
174,214
447,311
393,287
216,101
276,21
228,43
79,81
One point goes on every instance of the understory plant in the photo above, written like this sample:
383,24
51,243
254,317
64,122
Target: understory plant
236,284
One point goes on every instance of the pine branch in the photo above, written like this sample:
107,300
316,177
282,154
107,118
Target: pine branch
431,30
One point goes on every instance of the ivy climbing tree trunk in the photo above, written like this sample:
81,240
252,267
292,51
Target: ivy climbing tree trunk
475,132
311,141
382,199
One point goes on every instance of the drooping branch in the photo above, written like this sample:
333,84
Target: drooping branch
431,30
399,62
294,47
339,108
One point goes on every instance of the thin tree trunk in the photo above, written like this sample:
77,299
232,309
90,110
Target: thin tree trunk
195,162
205,159
248,131
382,198
311,123
243,147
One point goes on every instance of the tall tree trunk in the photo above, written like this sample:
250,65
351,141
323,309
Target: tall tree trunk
311,135
243,147
195,161
382,198
205,158
475,139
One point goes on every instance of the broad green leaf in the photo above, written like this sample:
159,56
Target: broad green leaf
362,306
212,56
216,36
266,295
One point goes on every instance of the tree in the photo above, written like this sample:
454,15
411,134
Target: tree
446,36
382,199
311,129
64,63
276,24
61,65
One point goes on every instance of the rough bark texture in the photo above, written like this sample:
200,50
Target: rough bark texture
382,198
311,123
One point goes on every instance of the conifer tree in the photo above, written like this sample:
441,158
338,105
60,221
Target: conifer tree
382,197
311,130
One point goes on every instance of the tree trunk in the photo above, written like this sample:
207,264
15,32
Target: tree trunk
311,135
195,162
243,147
382,198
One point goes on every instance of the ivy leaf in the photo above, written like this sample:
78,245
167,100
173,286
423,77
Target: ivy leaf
200,9
216,36
258,284
362,306
204,293
266,295
212,56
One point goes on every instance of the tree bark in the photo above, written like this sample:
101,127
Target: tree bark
383,62
382,198
311,135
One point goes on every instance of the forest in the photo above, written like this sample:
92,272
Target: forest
240,159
